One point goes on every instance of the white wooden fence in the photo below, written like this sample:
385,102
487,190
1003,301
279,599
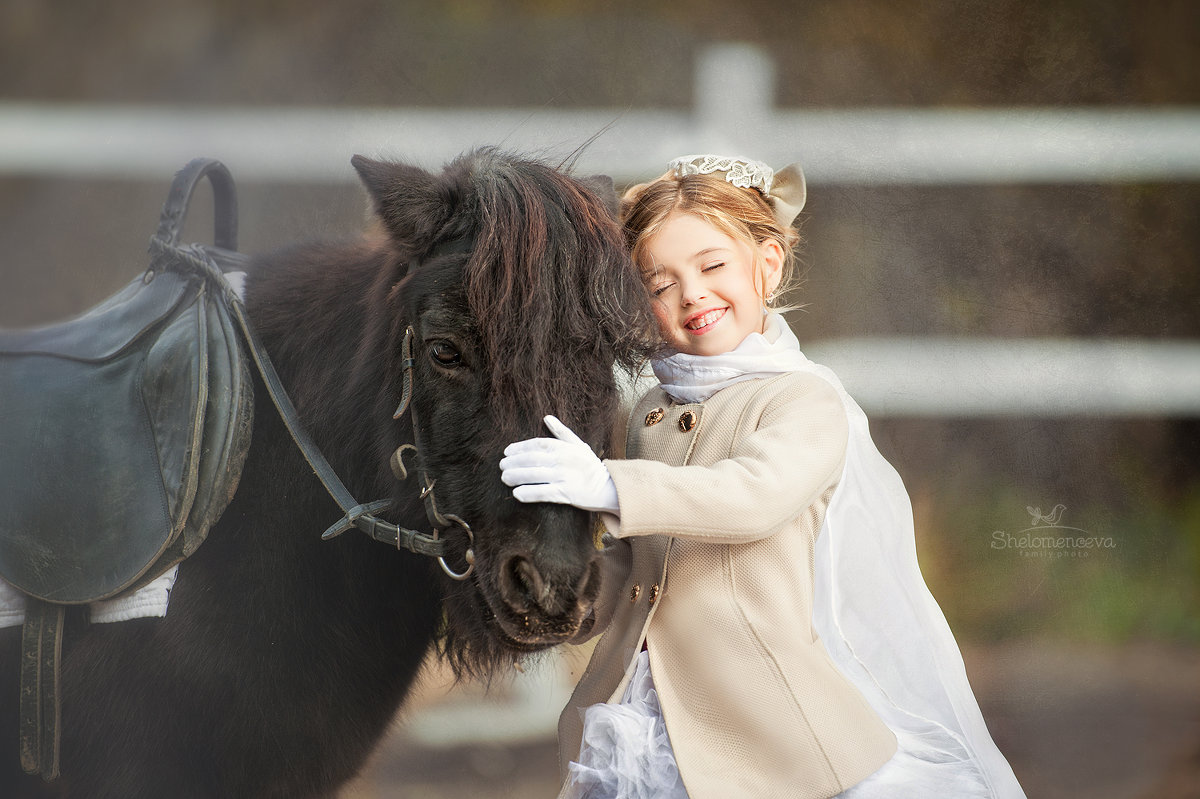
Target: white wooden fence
733,112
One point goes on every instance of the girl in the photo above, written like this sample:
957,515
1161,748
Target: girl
767,632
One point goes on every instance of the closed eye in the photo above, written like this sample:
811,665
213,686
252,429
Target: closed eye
711,267
660,289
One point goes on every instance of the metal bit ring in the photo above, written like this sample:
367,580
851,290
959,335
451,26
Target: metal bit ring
469,555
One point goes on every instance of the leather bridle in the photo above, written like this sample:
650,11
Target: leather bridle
361,516
436,518
357,515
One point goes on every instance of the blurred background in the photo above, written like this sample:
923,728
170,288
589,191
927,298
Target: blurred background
1000,260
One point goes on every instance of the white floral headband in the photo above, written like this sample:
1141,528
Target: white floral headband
785,190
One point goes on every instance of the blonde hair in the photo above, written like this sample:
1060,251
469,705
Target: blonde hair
742,214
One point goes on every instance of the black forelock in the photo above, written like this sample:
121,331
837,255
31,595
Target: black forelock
553,291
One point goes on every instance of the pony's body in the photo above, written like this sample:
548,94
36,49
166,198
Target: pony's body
283,657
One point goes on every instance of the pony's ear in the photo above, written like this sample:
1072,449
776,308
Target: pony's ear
602,187
406,198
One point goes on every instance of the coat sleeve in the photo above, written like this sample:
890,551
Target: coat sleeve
793,454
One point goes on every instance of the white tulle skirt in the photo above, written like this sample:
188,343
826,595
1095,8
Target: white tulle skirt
626,754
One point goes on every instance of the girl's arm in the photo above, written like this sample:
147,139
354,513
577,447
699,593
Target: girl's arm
795,453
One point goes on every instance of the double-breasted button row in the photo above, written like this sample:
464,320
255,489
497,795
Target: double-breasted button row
687,419
652,597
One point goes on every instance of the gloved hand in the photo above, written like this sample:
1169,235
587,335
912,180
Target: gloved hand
562,469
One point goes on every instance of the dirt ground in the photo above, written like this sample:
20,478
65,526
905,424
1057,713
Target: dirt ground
1073,720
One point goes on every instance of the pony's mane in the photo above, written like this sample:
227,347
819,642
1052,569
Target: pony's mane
553,291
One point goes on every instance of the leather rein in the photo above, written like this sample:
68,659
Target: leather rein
213,262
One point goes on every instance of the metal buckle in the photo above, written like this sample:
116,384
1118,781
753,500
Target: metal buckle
469,555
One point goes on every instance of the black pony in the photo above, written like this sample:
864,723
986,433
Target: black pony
283,657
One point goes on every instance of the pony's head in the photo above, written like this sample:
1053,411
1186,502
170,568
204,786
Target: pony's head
514,279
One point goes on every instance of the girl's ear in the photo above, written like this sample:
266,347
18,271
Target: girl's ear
772,260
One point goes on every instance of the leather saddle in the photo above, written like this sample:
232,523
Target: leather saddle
122,438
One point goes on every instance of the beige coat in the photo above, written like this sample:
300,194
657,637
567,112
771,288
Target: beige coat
716,535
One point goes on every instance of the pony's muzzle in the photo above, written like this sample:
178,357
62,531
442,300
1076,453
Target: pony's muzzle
525,589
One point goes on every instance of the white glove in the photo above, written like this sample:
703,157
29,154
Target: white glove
562,469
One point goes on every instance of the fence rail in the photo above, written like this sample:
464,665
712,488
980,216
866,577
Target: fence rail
943,377
863,147
733,111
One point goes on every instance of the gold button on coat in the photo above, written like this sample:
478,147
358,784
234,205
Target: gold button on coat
654,417
635,592
687,420
653,594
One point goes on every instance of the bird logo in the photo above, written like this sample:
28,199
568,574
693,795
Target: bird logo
1049,519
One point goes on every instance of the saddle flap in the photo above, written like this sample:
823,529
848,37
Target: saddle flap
108,328
228,423
100,456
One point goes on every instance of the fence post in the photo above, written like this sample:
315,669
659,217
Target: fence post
734,96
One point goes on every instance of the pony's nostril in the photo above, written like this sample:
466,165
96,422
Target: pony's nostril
531,580
588,582
522,585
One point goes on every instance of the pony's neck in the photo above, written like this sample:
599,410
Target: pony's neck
313,307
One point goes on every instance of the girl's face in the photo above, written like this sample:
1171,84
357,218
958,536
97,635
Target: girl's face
705,285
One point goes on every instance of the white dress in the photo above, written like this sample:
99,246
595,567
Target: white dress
626,752
871,608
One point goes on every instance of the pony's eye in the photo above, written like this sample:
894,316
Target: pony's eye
445,354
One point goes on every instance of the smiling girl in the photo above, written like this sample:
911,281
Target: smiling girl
707,284
767,632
